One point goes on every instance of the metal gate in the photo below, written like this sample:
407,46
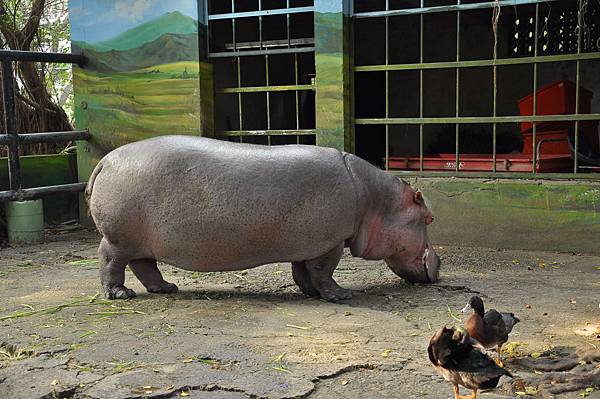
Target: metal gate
262,52
443,50
13,139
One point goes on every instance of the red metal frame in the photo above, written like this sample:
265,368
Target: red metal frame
483,163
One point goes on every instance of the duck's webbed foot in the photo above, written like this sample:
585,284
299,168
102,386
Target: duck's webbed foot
457,394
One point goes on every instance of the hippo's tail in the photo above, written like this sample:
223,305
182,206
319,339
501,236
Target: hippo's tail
90,185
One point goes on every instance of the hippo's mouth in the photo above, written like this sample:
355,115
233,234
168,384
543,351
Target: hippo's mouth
431,264
425,267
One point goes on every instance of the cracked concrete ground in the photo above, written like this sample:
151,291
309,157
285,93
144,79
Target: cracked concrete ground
252,334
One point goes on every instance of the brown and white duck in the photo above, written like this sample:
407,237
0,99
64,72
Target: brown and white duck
455,357
491,328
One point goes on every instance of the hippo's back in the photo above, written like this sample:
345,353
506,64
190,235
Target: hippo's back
205,204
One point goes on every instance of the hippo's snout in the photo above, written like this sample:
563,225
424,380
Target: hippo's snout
422,269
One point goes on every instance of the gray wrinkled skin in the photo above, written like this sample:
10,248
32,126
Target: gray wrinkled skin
209,205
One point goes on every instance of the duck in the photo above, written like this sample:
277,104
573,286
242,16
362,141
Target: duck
456,357
490,329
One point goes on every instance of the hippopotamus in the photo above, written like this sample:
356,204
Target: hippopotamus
210,205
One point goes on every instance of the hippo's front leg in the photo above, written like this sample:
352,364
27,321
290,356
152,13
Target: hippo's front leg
320,272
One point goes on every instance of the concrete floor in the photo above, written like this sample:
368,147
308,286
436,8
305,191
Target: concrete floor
251,334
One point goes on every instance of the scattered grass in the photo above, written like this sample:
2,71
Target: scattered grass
83,262
85,301
205,359
512,349
527,391
297,327
119,366
13,352
84,367
278,363
18,267
88,334
452,314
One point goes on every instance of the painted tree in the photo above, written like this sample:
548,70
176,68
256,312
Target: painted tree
42,90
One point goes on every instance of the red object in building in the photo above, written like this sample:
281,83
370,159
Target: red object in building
483,163
553,142
555,99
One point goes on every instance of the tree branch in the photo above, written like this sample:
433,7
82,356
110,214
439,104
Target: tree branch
31,27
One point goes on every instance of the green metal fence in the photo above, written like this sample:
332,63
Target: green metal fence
234,52
385,10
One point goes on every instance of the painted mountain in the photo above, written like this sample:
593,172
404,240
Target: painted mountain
172,37
141,83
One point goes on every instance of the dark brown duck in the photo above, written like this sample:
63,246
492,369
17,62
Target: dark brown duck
455,357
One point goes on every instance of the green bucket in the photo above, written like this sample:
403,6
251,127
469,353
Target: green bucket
25,222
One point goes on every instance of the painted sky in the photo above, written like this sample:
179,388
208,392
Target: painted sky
97,20
331,5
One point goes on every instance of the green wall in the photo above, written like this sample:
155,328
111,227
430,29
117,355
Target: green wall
523,214
48,170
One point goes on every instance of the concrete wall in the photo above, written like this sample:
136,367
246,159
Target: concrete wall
520,214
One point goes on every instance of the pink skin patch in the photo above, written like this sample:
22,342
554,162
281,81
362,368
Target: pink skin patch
372,235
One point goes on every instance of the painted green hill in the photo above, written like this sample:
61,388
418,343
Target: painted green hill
327,27
172,22
168,48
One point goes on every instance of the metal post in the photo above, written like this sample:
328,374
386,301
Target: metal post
239,72
457,99
289,40
577,77
421,91
268,99
260,26
239,82
387,88
297,99
534,157
10,123
495,19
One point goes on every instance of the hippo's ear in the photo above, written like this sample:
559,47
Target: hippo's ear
418,198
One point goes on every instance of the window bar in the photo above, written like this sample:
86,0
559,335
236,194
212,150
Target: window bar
577,77
239,82
387,89
421,91
534,159
10,123
239,71
260,26
446,8
473,64
296,92
207,28
457,99
297,99
268,99
287,5
495,93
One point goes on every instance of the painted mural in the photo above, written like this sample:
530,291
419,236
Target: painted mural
143,73
334,127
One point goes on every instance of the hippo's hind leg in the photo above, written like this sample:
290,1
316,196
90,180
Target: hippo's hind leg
321,272
147,272
112,272
302,279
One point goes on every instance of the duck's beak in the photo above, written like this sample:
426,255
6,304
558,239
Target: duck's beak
466,309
